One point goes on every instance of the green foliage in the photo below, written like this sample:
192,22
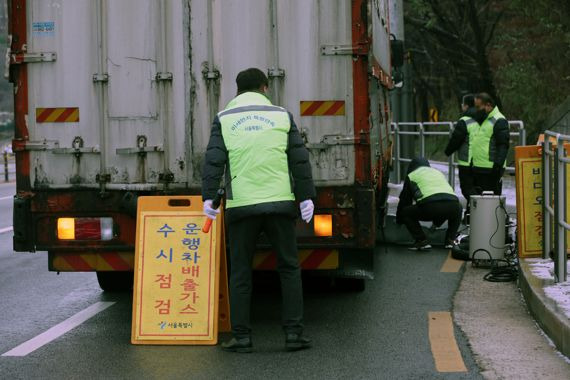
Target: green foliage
531,54
527,53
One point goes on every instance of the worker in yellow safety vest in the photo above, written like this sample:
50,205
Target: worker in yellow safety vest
426,196
461,141
266,165
490,146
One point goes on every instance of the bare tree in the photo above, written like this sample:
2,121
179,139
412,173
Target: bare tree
451,40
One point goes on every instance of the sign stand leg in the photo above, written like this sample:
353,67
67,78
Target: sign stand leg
224,307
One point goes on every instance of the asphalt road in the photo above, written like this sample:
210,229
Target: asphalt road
6,193
381,333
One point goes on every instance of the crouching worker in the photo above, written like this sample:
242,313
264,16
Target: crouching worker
427,196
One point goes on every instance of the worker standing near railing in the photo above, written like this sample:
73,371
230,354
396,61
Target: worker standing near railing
490,146
461,141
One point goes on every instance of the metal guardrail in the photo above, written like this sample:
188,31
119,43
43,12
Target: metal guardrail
554,223
6,176
420,131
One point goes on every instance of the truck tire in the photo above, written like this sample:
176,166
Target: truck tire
351,284
115,281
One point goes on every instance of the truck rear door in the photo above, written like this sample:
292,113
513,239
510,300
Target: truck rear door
109,104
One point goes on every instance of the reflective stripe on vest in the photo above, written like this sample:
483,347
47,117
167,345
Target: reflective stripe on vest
427,181
464,154
483,145
256,135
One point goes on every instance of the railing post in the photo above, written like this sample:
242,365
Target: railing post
559,213
422,140
522,134
6,179
397,151
546,217
563,259
560,264
451,173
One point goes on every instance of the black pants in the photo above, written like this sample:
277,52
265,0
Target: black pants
243,234
466,182
485,180
437,212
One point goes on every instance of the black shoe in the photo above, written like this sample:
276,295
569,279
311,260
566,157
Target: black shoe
295,342
241,345
449,244
420,245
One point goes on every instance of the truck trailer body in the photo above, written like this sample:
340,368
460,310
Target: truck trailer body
114,100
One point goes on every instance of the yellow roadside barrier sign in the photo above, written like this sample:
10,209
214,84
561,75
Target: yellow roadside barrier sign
528,168
180,294
433,115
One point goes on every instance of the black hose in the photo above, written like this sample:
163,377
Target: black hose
498,273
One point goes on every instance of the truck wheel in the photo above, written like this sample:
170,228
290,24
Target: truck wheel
115,281
351,284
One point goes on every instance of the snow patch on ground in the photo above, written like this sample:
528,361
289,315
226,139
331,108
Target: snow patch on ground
542,268
560,292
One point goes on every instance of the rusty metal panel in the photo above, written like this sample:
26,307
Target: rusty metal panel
379,16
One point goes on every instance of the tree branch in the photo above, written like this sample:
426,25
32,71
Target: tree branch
493,26
441,33
436,9
432,29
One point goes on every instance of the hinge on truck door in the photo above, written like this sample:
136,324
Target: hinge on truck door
163,77
141,147
103,178
331,140
19,145
101,78
275,73
18,58
358,49
166,177
210,74
77,148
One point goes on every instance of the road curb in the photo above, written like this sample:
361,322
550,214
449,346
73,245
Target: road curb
544,310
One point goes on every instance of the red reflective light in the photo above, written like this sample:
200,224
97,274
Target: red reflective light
87,229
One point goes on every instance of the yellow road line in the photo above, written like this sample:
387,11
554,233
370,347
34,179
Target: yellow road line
443,345
451,265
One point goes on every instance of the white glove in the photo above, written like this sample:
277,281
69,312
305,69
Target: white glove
307,207
209,211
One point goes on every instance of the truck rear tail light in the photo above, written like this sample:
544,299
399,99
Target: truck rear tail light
323,225
85,229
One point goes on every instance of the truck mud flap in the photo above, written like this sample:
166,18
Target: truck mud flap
23,226
356,263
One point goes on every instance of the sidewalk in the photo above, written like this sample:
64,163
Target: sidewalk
548,302
505,340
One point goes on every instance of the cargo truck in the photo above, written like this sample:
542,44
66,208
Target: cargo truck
114,100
